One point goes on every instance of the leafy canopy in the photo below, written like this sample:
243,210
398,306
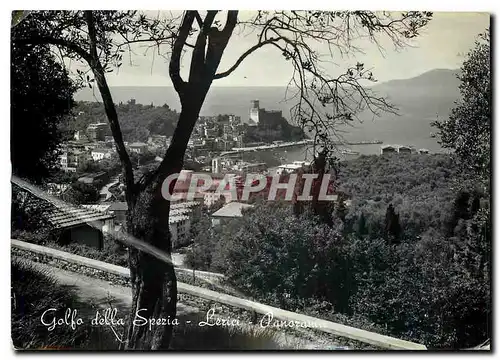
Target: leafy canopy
468,128
41,98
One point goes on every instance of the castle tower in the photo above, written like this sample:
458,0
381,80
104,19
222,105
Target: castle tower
254,112
215,165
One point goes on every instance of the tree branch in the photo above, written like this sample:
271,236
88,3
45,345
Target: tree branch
209,19
71,47
198,19
243,56
175,60
217,42
109,106
232,19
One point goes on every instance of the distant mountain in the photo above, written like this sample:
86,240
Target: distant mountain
431,93
436,77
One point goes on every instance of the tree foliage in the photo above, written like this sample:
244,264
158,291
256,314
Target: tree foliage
431,286
81,193
392,229
468,129
41,98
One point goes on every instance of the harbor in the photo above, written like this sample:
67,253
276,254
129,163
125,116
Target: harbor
278,145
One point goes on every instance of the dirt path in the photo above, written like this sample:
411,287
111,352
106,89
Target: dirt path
100,293
95,294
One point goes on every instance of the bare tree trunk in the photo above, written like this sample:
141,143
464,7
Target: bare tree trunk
154,283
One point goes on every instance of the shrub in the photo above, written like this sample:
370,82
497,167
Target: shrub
433,290
112,252
193,337
421,292
33,292
293,258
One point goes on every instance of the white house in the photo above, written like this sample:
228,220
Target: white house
228,212
392,149
138,147
289,168
101,154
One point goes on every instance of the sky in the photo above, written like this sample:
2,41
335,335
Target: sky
441,45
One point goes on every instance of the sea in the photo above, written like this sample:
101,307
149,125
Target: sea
411,127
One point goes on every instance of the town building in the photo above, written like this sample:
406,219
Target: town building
239,141
393,149
216,165
69,224
73,160
289,168
138,147
119,210
90,179
56,189
80,136
80,226
101,154
109,224
268,121
97,131
405,149
158,141
210,133
252,168
388,149
234,120
224,144
63,160
195,142
229,212
179,220
179,226
210,198
254,113
209,143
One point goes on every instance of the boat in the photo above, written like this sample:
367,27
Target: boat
349,152
365,142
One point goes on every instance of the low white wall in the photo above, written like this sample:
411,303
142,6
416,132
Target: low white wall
378,340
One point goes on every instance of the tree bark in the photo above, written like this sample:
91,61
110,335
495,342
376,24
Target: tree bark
154,282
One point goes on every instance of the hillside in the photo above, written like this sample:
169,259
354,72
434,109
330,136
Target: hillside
137,121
